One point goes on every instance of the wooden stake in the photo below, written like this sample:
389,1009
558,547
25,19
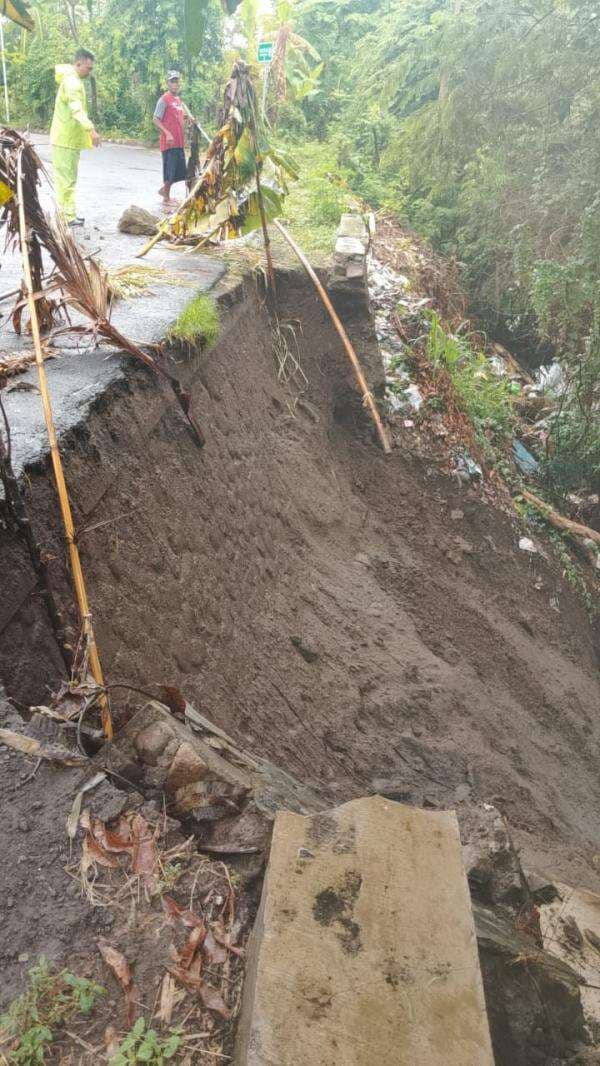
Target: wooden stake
360,377
265,231
63,495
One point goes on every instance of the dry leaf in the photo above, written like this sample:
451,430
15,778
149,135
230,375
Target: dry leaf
92,852
188,918
215,953
144,859
111,1041
170,996
117,963
120,968
224,938
213,1000
185,957
75,812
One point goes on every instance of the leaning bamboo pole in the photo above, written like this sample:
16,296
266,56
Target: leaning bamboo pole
367,395
61,486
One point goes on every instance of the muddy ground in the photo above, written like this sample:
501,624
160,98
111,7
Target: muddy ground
354,617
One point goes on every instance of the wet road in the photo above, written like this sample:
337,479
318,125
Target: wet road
111,178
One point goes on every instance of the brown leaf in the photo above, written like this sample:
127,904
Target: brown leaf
92,851
214,952
106,838
188,918
213,1000
185,977
223,937
117,963
144,858
185,957
120,968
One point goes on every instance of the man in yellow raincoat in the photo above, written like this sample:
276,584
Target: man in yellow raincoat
71,131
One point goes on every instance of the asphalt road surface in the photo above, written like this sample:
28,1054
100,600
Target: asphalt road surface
111,178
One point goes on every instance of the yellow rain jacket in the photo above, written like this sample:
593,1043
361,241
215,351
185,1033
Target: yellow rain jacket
70,125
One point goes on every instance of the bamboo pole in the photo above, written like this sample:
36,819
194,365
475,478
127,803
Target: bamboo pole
360,377
265,232
63,495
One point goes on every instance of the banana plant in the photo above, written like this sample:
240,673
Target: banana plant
17,11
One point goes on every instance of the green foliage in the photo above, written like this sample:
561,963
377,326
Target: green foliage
318,198
135,44
573,457
50,999
199,321
144,1045
485,397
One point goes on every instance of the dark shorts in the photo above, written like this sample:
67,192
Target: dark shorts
174,165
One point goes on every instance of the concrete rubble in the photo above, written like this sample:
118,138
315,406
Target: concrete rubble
364,948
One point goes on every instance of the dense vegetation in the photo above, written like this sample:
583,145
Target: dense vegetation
478,123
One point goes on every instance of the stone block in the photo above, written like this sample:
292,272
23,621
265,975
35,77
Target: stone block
353,226
349,247
364,947
152,741
187,768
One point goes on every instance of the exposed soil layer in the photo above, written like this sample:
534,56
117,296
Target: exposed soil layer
315,598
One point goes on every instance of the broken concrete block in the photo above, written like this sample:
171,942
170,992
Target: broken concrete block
364,948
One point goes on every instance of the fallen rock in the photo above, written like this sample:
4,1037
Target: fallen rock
229,797
186,769
138,221
363,951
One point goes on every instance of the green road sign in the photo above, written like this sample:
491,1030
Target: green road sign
265,51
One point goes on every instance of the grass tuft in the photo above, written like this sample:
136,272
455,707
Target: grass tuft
199,321
27,1029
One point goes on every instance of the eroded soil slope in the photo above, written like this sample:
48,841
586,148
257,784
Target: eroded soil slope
317,599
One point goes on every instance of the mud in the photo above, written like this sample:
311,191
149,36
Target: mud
437,657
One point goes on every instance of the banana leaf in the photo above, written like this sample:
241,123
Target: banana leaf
17,11
273,203
195,14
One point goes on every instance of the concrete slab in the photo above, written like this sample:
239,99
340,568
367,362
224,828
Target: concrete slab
364,949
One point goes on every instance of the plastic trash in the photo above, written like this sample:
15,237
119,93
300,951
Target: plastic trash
414,397
551,379
525,461
466,465
527,545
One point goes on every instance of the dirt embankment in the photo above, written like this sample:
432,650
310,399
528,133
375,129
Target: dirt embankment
328,607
